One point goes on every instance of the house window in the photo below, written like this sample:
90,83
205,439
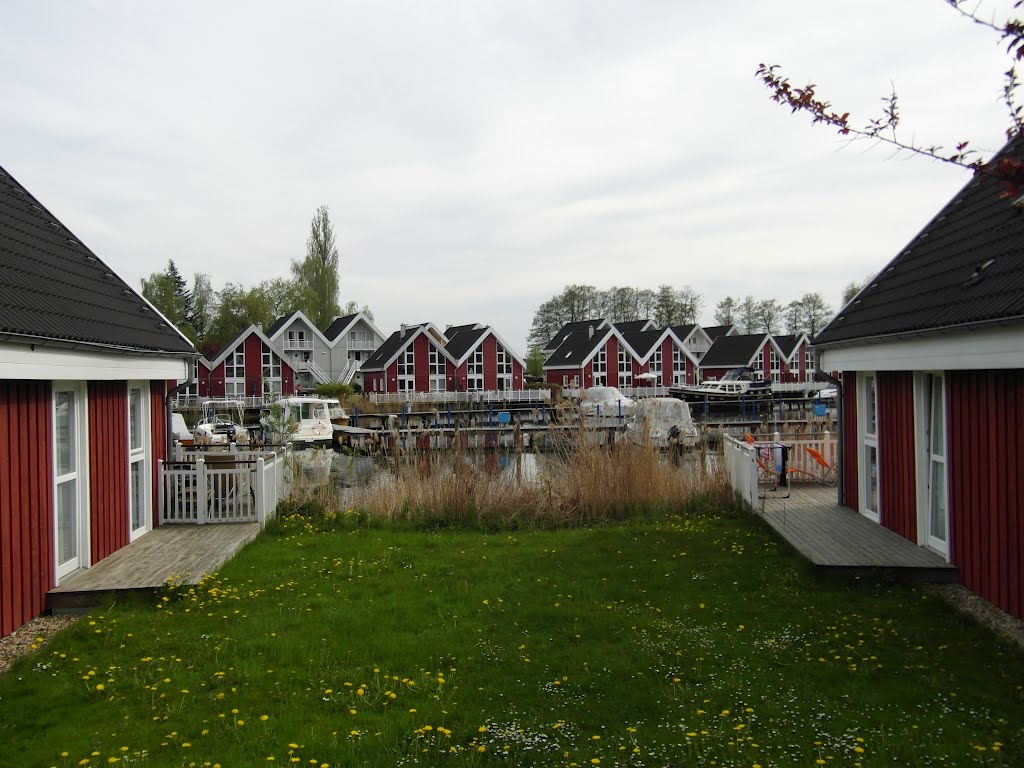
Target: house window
931,440
297,340
359,340
809,371
138,476
437,370
600,369
234,366
234,388
407,371
271,373
504,364
678,367
69,509
759,362
475,371
655,366
625,369
776,366
868,416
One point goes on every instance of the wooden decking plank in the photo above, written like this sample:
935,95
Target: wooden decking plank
833,537
184,553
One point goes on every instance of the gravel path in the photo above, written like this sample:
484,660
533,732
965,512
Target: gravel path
985,613
30,637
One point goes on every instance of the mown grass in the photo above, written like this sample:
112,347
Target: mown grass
686,640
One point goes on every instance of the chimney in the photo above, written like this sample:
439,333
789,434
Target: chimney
590,329
403,329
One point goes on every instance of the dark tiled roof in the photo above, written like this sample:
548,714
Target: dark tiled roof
732,351
339,325
631,326
53,287
463,339
278,324
714,331
787,344
966,267
389,348
642,342
570,328
682,331
452,330
577,347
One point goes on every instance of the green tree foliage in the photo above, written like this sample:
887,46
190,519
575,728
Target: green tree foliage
617,304
237,308
168,292
204,306
316,276
769,313
850,290
535,361
725,311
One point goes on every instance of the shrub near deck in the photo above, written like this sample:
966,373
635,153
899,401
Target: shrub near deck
690,641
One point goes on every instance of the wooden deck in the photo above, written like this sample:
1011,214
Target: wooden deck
184,553
835,539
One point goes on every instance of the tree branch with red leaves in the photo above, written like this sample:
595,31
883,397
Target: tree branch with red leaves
884,128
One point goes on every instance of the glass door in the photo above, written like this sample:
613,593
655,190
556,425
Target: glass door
138,419
937,525
69,524
869,505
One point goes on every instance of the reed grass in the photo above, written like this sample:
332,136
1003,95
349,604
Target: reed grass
587,484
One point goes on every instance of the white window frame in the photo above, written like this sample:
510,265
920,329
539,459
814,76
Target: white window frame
80,476
925,459
599,369
139,455
867,432
407,370
625,369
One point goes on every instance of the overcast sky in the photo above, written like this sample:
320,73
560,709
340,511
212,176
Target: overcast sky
477,156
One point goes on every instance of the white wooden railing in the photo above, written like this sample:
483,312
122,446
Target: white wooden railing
490,396
741,461
350,371
741,467
223,487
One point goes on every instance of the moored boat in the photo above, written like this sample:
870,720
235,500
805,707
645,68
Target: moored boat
738,384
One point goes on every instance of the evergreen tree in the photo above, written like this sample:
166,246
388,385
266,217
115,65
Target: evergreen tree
316,276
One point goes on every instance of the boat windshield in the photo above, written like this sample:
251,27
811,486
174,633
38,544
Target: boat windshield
739,374
313,410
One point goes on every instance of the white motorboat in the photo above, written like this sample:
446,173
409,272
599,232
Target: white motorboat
307,421
221,422
662,422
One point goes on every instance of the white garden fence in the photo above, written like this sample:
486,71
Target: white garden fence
223,487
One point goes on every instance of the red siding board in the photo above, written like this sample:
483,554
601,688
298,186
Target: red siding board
108,467
253,350
986,418
896,467
490,362
26,501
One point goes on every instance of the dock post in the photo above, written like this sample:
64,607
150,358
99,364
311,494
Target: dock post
355,416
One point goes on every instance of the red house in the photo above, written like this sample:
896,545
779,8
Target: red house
84,366
419,358
594,354
248,366
932,395
797,358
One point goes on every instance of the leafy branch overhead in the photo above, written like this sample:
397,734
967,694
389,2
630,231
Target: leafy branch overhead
884,128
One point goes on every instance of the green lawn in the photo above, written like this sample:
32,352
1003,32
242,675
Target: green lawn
685,641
